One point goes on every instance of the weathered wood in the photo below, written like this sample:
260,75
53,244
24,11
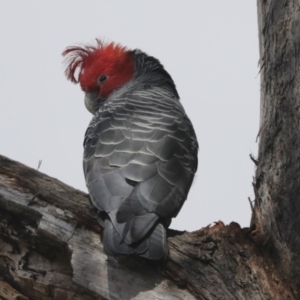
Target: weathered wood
50,248
277,207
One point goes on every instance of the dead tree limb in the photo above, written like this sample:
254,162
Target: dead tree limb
50,248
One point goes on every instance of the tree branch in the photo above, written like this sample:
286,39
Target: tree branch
50,248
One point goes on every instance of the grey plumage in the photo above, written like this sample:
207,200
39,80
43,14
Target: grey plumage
140,157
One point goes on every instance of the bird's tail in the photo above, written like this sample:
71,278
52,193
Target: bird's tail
152,246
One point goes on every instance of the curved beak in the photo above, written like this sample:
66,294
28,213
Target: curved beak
90,101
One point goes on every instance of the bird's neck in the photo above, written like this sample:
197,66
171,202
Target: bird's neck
149,71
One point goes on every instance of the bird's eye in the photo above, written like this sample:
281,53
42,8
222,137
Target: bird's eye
102,78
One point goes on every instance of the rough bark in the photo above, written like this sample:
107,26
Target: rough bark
276,216
50,246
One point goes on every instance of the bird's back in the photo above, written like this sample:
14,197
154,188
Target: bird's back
140,157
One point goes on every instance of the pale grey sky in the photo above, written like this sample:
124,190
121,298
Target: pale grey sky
210,48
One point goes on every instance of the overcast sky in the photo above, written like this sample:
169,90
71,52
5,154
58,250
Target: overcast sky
210,48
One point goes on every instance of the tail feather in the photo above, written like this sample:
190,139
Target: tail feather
158,247
134,229
114,244
152,246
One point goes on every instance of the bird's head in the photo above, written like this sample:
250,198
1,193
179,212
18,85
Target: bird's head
101,69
